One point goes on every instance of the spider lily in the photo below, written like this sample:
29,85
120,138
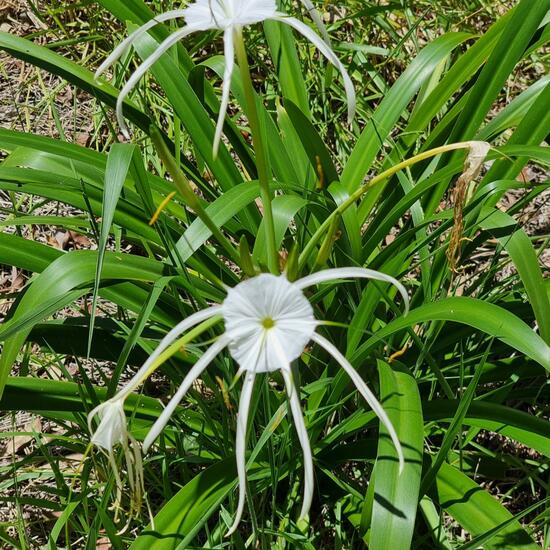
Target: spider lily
268,323
228,16
111,431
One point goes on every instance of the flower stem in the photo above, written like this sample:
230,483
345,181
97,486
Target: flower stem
323,228
181,183
259,149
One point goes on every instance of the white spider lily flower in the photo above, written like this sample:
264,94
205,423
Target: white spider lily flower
228,16
268,323
112,429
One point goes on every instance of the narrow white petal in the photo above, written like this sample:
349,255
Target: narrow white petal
120,50
365,392
192,375
326,50
316,17
181,327
92,414
352,273
304,441
240,445
229,54
299,423
144,67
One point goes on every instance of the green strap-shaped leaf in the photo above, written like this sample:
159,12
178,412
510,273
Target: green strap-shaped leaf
184,514
393,106
285,207
396,495
518,425
116,172
40,394
220,211
489,318
349,217
478,512
279,149
510,48
522,427
319,155
463,69
61,283
289,69
62,399
36,257
525,259
532,130
513,41
512,115
191,112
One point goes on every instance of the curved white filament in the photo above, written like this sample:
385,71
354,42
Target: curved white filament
191,376
365,392
352,273
299,424
304,441
132,37
326,50
181,327
229,54
240,445
316,17
143,68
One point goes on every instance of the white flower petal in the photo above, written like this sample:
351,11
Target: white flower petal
144,67
322,46
191,376
249,12
121,49
229,53
314,14
222,14
112,429
365,392
299,423
173,335
206,14
250,350
352,273
240,445
272,300
304,441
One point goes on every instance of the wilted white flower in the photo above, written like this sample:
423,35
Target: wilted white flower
112,431
268,323
228,16
112,428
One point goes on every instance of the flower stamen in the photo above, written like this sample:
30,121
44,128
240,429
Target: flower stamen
268,323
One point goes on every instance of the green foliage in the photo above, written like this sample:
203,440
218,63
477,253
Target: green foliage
470,356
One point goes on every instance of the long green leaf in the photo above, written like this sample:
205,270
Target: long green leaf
394,105
478,512
489,318
185,513
116,171
60,283
525,259
523,427
396,494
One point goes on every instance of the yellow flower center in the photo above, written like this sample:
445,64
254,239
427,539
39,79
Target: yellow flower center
268,322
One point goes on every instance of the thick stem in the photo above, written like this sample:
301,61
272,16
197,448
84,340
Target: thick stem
323,228
182,184
259,149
